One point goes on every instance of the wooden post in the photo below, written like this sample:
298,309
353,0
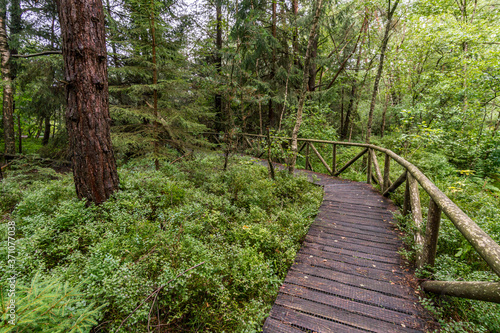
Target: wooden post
396,184
406,203
348,164
387,170
334,159
307,155
321,158
380,181
416,212
369,167
431,235
483,291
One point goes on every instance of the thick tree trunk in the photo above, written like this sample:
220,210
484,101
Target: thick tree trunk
8,92
390,13
87,112
305,82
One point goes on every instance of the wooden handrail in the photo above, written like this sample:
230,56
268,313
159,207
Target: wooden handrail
485,246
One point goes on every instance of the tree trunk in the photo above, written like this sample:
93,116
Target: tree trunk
155,89
384,113
87,112
8,92
20,135
272,118
390,13
46,132
312,66
305,82
354,89
219,116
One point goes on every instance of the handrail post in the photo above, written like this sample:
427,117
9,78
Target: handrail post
387,170
431,235
378,175
369,167
416,212
406,202
334,159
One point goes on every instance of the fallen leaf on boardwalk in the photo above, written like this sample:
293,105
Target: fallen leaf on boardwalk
342,237
374,266
324,260
403,325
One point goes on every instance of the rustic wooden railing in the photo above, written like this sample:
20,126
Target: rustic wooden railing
439,203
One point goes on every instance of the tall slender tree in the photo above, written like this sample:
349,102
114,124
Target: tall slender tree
8,90
385,41
305,84
87,113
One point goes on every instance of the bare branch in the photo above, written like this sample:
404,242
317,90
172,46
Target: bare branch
35,54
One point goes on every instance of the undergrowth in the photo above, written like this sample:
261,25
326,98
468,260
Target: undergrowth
242,227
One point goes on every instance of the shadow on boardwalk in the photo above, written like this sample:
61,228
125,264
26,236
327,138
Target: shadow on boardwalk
348,276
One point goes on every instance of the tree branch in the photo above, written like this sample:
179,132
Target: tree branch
35,54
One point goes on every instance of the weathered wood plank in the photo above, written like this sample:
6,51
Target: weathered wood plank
387,315
369,272
331,234
355,234
382,286
355,293
309,322
381,235
347,252
275,326
339,315
335,257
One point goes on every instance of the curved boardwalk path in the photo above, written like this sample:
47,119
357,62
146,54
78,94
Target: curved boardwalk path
348,276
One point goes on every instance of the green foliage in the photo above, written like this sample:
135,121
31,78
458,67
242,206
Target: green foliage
48,305
244,227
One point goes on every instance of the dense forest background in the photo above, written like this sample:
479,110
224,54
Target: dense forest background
419,77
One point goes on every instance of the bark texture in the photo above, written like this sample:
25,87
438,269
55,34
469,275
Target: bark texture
8,92
87,113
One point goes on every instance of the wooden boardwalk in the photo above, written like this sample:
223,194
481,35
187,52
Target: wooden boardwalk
348,276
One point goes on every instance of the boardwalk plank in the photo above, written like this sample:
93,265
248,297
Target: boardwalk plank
326,256
387,315
340,315
348,275
355,293
309,322
382,286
